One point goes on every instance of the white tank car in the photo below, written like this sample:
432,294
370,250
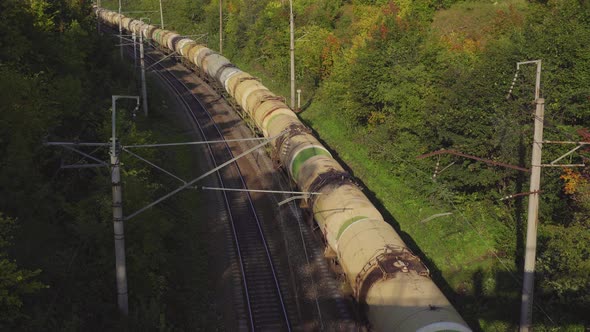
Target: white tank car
388,280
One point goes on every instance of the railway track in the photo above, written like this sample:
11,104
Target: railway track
265,308
258,294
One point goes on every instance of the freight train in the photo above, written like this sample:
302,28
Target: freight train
388,280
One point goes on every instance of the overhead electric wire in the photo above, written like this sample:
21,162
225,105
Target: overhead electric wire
546,122
449,200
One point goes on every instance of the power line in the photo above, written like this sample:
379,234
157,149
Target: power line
449,200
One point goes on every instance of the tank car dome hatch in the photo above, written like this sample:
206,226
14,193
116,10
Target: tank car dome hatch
234,80
277,122
201,54
125,23
214,63
169,40
173,41
226,73
148,32
196,51
255,100
185,45
269,106
244,89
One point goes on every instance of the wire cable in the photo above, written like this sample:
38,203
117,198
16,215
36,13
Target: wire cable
478,233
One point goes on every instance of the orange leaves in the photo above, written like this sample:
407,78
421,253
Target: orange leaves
375,119
469,28
572,180
390,9
507,19
459,43
231,7
383,31
576,182
584,132
329,51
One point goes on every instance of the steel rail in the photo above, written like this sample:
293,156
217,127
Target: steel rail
261,232
258,224
249,199
226,198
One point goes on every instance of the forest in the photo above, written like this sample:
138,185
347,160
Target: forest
57,76
383,82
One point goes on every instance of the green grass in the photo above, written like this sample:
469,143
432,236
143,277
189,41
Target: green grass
458,249
448,241
469,25
459,246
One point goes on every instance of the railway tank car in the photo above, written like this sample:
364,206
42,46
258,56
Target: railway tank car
388,280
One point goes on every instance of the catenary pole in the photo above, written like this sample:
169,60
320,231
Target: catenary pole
292,49
220,27
119,231
97,18
526,309
142,64
135,51
120,32
161,15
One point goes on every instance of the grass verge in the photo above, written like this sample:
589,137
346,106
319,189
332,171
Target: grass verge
460,249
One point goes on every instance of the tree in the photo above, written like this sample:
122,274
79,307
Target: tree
15,283
564,266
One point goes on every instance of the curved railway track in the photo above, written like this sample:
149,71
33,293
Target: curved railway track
263,307
261,296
